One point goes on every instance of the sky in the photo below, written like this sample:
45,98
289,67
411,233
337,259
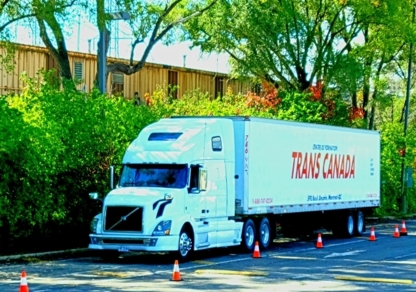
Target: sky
84,37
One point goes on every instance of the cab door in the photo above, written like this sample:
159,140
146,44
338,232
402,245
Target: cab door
196,201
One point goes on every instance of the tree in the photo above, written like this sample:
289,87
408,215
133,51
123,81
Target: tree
47,17
344,45
289,42
152,22
51,16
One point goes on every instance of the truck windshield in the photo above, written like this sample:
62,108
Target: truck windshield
160,175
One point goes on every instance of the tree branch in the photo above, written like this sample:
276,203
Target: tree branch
3,5
155,37
195,14
16,19
45,38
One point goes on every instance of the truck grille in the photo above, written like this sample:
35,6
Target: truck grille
123,219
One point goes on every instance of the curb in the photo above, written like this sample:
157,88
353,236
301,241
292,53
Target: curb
50,255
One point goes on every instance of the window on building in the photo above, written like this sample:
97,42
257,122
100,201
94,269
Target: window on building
117,83
173,84
219,87
78,71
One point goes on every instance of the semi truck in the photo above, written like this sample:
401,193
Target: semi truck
193,183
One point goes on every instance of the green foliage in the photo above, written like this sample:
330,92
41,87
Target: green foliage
56,147
392,141
300,107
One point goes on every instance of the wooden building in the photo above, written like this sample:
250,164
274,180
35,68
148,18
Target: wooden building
30,59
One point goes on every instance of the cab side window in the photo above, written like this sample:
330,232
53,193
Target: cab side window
216,144
193,183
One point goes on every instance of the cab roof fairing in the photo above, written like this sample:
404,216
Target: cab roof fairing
187,148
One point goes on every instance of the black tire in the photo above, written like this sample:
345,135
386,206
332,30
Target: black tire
344,227
248,236
264,233
185,245
359,223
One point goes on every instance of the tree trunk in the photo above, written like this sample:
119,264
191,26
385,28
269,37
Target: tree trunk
354,103
107,44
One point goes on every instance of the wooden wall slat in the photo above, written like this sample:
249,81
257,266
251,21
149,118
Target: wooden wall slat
30,59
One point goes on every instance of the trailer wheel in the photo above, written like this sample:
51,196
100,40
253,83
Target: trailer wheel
350,225
345,226
248,236
359,226
185,245
264,234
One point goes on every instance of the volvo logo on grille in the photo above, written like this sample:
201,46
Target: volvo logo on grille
123,218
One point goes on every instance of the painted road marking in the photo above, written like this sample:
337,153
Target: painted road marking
203,262
231,272
407,255
380,280
205,265
400,263
344,254
293,258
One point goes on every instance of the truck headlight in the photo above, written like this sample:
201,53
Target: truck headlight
163,228
93,225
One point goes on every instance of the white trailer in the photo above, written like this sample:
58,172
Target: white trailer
193,183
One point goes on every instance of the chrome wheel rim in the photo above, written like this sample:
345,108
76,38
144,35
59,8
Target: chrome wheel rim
360,222
185,244
264,234
249,235
350,225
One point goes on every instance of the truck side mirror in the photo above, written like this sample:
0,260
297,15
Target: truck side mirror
203,179
95,196
111,177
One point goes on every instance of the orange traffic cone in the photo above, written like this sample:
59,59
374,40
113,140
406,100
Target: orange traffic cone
23,283
403,231
256,252
176,276
396,231
372,235
319,242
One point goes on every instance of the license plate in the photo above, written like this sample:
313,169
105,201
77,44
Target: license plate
123,249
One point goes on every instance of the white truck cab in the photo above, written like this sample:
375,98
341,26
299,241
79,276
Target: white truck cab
173,192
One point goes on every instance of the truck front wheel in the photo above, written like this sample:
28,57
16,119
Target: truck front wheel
248,236
264,233
185,245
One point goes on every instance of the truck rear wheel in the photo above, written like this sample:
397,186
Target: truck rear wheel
359,226
248,235
264,235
